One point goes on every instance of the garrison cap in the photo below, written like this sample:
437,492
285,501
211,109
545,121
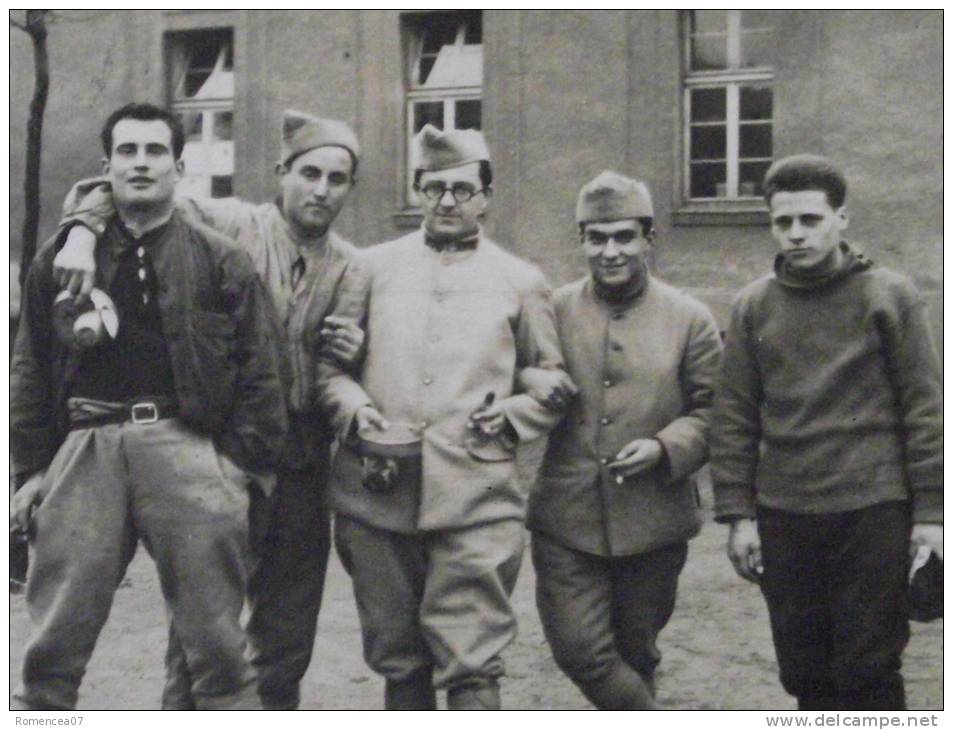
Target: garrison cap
613,197
302,132
438,150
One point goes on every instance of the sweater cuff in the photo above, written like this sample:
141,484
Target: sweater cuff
733,501
928,506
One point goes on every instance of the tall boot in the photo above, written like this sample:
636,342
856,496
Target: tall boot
415,692
480,695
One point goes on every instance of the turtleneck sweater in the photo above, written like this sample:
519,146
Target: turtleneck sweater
830,397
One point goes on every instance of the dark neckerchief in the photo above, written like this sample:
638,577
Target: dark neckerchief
824,272
466,244
620,297
127,242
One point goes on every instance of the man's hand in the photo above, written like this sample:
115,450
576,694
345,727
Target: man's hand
369,417
488,419
744,549
25,500
636,457
553,388
344,339
74,267
928,534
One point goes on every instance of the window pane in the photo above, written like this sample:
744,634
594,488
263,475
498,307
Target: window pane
222,126
708,180
438,30
192,123
206,71
757,49
750,175
708,105
473,34
428,112
708,143
708,21
758,18
468,114
754,140
221,186
755,102
709,53
440,61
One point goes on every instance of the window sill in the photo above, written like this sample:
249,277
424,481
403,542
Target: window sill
722,213
408,218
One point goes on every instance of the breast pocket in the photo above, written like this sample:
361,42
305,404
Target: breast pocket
212,345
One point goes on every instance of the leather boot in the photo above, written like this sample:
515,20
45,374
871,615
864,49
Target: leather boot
415,692
482,695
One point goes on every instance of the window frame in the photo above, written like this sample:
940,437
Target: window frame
731,79
413,25
173,41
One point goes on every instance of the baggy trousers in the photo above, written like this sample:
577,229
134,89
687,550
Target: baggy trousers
109,487
836,589
602,617
435,599
284,593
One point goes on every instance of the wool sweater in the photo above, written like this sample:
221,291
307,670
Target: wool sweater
830,397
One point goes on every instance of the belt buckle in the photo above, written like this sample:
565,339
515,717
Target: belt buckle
144,413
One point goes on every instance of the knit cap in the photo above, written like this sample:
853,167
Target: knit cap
613,197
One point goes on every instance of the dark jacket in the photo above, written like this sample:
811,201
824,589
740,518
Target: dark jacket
220,331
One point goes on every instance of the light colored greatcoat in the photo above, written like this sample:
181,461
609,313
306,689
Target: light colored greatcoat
444,329
644,370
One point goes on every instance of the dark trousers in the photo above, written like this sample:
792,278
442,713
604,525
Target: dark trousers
286,587
836,589
602,617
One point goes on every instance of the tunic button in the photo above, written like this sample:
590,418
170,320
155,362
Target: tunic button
438,296
606,421
424,424
435,338
604,460
427,380
607,383
618,315
616,346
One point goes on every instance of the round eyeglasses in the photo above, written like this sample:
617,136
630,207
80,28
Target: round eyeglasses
461,192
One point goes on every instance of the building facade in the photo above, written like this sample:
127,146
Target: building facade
697,103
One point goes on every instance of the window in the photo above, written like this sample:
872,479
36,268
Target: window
201,82
444,74
728,102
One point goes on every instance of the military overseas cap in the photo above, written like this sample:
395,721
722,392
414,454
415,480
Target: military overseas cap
302,132
613,197
437,150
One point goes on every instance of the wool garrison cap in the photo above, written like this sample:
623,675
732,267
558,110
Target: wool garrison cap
301,132
437,150
613,197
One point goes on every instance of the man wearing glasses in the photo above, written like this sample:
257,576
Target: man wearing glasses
432,536
615,504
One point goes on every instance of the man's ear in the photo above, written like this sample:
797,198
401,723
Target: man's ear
180,166
650,237
280,169
843,217
104,165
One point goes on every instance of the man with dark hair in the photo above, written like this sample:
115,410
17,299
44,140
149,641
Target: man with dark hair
151,431
301,260
826,447
615,502
429,512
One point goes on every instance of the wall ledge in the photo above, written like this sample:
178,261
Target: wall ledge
722,214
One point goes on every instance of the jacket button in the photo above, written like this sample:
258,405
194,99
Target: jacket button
616,346
606,421
607,383
424,424
435,338
604,460
427,380
438,296
618,315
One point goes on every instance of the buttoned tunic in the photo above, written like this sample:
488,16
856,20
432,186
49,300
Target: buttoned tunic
444,329
644,370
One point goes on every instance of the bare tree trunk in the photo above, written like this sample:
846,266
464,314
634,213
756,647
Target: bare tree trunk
36,28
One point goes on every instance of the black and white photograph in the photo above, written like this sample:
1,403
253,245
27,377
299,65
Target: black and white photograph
502,359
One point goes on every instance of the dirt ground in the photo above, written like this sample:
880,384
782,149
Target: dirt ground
717,651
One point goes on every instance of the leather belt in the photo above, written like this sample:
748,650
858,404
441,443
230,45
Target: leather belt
141,412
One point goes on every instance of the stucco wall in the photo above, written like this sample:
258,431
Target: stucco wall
566,94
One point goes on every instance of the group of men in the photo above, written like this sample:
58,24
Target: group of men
253,343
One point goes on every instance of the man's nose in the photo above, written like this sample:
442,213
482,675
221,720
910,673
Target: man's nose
611,250
321,187
141,159
796,232
443,197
